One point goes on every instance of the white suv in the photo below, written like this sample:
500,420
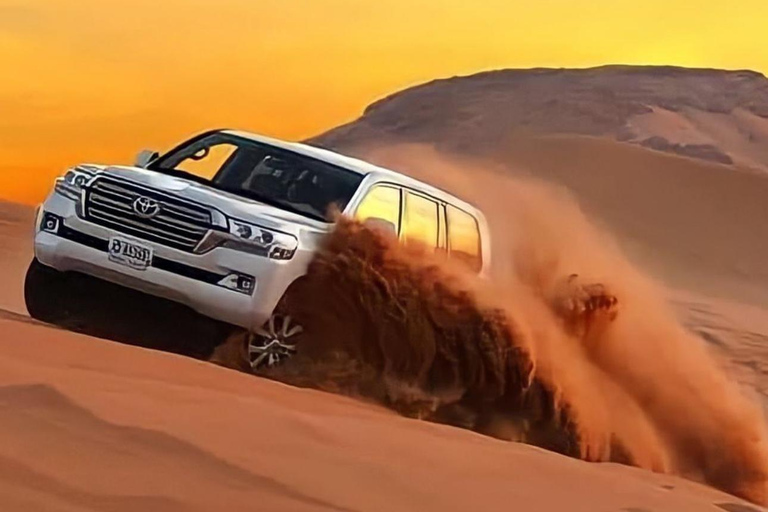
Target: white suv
226,222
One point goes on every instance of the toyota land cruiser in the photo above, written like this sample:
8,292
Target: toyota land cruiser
226,222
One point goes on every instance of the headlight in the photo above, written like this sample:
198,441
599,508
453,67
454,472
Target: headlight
71,184
261,241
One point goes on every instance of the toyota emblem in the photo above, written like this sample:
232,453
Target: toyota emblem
146,207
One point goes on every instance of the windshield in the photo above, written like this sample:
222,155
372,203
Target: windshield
264,173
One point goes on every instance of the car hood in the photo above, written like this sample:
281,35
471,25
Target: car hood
229,204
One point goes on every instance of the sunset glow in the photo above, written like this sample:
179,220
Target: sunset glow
96,80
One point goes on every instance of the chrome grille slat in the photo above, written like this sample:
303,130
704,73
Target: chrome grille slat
115,219
188,218
160,219
119,195
129,200
180,223
171,207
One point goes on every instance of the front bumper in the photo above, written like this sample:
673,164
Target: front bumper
190,279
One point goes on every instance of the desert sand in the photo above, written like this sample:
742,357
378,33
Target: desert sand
91,425
95,425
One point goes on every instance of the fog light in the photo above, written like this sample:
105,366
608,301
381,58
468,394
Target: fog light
239,282
50,222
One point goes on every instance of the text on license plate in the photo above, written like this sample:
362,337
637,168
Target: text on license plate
129,253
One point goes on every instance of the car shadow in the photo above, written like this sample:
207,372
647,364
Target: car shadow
102,309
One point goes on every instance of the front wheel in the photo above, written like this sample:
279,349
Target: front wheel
274,343
45,292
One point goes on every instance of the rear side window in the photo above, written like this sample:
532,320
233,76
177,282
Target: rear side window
381,207
464,238
420,221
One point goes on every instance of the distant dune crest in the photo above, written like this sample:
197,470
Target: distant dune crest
713,115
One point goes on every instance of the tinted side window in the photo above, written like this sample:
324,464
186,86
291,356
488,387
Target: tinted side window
381,205
464,238
420,222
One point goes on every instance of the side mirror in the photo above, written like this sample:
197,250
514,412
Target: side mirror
145,157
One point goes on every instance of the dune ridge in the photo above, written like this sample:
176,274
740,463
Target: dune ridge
708,114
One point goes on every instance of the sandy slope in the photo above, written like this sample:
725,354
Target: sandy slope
91,425
695,225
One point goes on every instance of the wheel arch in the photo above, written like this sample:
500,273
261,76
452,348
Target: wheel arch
291,292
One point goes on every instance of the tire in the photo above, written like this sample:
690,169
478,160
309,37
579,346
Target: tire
43,293
273,343
270,346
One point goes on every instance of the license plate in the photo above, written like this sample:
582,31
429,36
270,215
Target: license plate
129,253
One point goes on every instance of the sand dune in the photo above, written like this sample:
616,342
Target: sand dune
707,114
102,426
694,224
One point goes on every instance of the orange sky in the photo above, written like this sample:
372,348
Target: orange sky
96,80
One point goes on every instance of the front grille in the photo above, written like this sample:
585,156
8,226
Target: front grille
180,224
